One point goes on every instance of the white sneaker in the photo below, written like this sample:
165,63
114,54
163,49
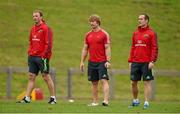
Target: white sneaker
93,104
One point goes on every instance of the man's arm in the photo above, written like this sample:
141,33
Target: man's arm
83,56
132,50
108,55
154,51
108,52
48,42
30,40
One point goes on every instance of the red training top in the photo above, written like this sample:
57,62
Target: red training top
96,45
144,46
40,41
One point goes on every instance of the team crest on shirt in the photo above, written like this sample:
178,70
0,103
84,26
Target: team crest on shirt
40,30
146,36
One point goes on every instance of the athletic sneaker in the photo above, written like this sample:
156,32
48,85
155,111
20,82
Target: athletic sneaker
105,103
93,104
134,103
52,101
24,100
146,105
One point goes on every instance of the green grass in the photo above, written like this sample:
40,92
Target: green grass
80,106
69,21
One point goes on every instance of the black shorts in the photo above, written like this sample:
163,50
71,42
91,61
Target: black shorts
141,69
97,71
37,64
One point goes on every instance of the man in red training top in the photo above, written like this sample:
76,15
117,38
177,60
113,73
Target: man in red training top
97,44
143,55
39,53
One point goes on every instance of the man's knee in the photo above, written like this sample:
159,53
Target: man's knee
147,83
134,83
95,83
104,81
32,76
46,77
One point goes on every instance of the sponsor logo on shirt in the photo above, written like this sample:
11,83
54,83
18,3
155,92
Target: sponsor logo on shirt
139,43
35,38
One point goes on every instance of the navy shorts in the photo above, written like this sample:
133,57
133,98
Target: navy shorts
139,70
37,64
97,71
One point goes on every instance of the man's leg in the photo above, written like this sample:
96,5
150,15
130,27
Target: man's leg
30,85
147,77
95,91
49,83
134,89
147,90
135,77
51,88
105,84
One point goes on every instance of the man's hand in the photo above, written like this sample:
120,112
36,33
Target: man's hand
151,65
107,64
82,66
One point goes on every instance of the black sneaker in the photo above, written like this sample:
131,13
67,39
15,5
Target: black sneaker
52,101
23,101
105,104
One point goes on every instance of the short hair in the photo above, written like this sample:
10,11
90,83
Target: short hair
38,11
145,16
96,18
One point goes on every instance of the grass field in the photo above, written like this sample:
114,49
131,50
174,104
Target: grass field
69,21
80,106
